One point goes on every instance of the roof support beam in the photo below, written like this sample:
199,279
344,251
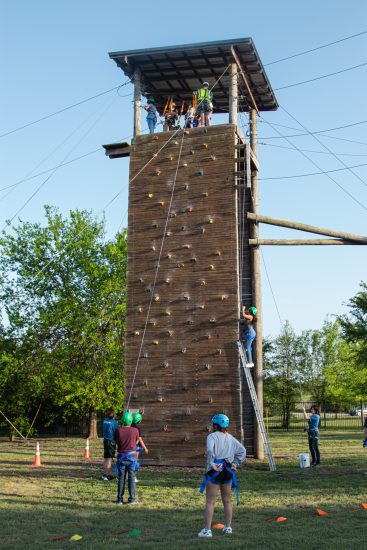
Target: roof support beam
244,78
301,242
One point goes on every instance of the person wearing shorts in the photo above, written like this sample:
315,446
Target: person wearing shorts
110,426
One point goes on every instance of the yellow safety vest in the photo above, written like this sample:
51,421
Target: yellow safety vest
204,94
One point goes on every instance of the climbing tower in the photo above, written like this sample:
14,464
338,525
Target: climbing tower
190,266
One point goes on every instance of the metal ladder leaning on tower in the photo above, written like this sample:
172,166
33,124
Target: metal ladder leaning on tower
255,402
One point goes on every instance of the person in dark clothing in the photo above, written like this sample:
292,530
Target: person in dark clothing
127,439
313,433
365,433
110,426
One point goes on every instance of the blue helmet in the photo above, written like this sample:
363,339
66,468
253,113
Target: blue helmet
221,419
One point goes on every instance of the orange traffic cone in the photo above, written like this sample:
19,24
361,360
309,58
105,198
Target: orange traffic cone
37,458
86,450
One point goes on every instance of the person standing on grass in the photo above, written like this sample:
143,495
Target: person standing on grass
224,453
137,418
127,439
313,433
365,433
110,426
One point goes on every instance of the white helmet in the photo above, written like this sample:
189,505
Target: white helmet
206,84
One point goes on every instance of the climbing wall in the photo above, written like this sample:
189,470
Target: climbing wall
189,366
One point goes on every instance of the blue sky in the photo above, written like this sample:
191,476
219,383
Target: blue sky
56,54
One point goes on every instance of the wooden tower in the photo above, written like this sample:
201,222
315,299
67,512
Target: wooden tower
190,265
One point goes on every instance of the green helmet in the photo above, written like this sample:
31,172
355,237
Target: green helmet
151,99
137,418
127,418
253,310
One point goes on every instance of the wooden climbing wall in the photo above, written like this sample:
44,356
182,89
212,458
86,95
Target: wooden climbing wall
189,365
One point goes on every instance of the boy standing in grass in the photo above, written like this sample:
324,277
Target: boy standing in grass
110,426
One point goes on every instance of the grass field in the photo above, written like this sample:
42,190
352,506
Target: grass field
43,507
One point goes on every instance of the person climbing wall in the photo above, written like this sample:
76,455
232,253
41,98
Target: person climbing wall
249,317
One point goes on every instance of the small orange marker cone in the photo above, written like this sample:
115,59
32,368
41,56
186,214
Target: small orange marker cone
37,457
364,505
280,519
320,512
218,526
86,450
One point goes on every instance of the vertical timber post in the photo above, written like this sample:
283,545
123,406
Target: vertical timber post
256,288
233,94
137,102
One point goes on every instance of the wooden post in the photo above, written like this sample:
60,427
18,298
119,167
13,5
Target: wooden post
233,94
137,102
256,290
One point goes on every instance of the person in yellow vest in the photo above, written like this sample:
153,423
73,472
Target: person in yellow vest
205,104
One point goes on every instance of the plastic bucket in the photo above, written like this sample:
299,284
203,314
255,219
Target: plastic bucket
304,460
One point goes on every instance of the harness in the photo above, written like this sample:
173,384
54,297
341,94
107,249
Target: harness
213,478
126,458
204,94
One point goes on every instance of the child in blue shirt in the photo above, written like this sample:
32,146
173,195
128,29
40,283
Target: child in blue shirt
110,426
313,433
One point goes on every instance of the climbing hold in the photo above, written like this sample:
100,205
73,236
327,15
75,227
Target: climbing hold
168,233
161,203
176,143
211,267
212,157
165,364
205,145
167,312
212,320
140,309
170,157
167,280
154,225
155,138
200,172
136,332
160,399
183,350
203,229
210,399
141,280
202,282
172,214
183,228
169,332
208,336
155,342
149,195
156,298
192,152
145,355
158,172
186,297
180,264
145,381
187,437
186,132
189,322
148,290
152,247
187,245
165,427
211,220
169,256
189,209
188,411
201,306
153,322
186,187
219,352
208,367
194,259
224,297
184,165
218,253
205,194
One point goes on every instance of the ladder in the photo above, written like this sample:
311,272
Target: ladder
255,403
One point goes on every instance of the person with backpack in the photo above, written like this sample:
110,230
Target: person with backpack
127,439
313,433
109,427
224,454
249,318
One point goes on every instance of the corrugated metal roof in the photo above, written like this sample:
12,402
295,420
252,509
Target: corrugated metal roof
179,70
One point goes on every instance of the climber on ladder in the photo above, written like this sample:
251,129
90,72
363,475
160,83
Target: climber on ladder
204,104
249,317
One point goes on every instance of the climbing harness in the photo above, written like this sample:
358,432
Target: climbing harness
126,459
213,475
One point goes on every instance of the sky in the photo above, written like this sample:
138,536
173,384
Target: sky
55,54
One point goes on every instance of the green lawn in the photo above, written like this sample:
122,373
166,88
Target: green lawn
67,497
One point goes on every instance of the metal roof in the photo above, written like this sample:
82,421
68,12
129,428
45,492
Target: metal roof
179,70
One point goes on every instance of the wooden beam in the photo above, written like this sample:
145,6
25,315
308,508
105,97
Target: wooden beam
233,94
244,78
297,242
137,102
305,227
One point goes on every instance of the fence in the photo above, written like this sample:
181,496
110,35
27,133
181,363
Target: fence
334,416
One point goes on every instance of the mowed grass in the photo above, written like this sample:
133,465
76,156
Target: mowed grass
40,506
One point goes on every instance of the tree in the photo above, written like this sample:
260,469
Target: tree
64,290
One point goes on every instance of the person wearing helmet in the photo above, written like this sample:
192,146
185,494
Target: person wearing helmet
109,426
205,104
137,418
127,439
224,453
152,115
249,317
171,117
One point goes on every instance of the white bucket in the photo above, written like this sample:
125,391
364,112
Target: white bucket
304,460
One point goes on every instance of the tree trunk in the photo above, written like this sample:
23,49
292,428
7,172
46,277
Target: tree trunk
92,430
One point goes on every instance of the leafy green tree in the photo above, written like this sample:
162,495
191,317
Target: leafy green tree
63,288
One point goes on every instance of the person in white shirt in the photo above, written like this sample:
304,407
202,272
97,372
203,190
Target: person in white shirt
224,454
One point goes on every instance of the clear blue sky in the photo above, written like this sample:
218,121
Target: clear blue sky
56,53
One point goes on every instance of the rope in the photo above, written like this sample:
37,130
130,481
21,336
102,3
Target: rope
12,425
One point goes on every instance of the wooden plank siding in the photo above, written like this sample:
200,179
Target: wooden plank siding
189,366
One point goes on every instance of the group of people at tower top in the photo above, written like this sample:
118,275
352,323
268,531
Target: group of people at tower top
198,113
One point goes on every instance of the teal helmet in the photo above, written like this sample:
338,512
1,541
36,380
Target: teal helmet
221,420
151,99
137,418
253,310
127,418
